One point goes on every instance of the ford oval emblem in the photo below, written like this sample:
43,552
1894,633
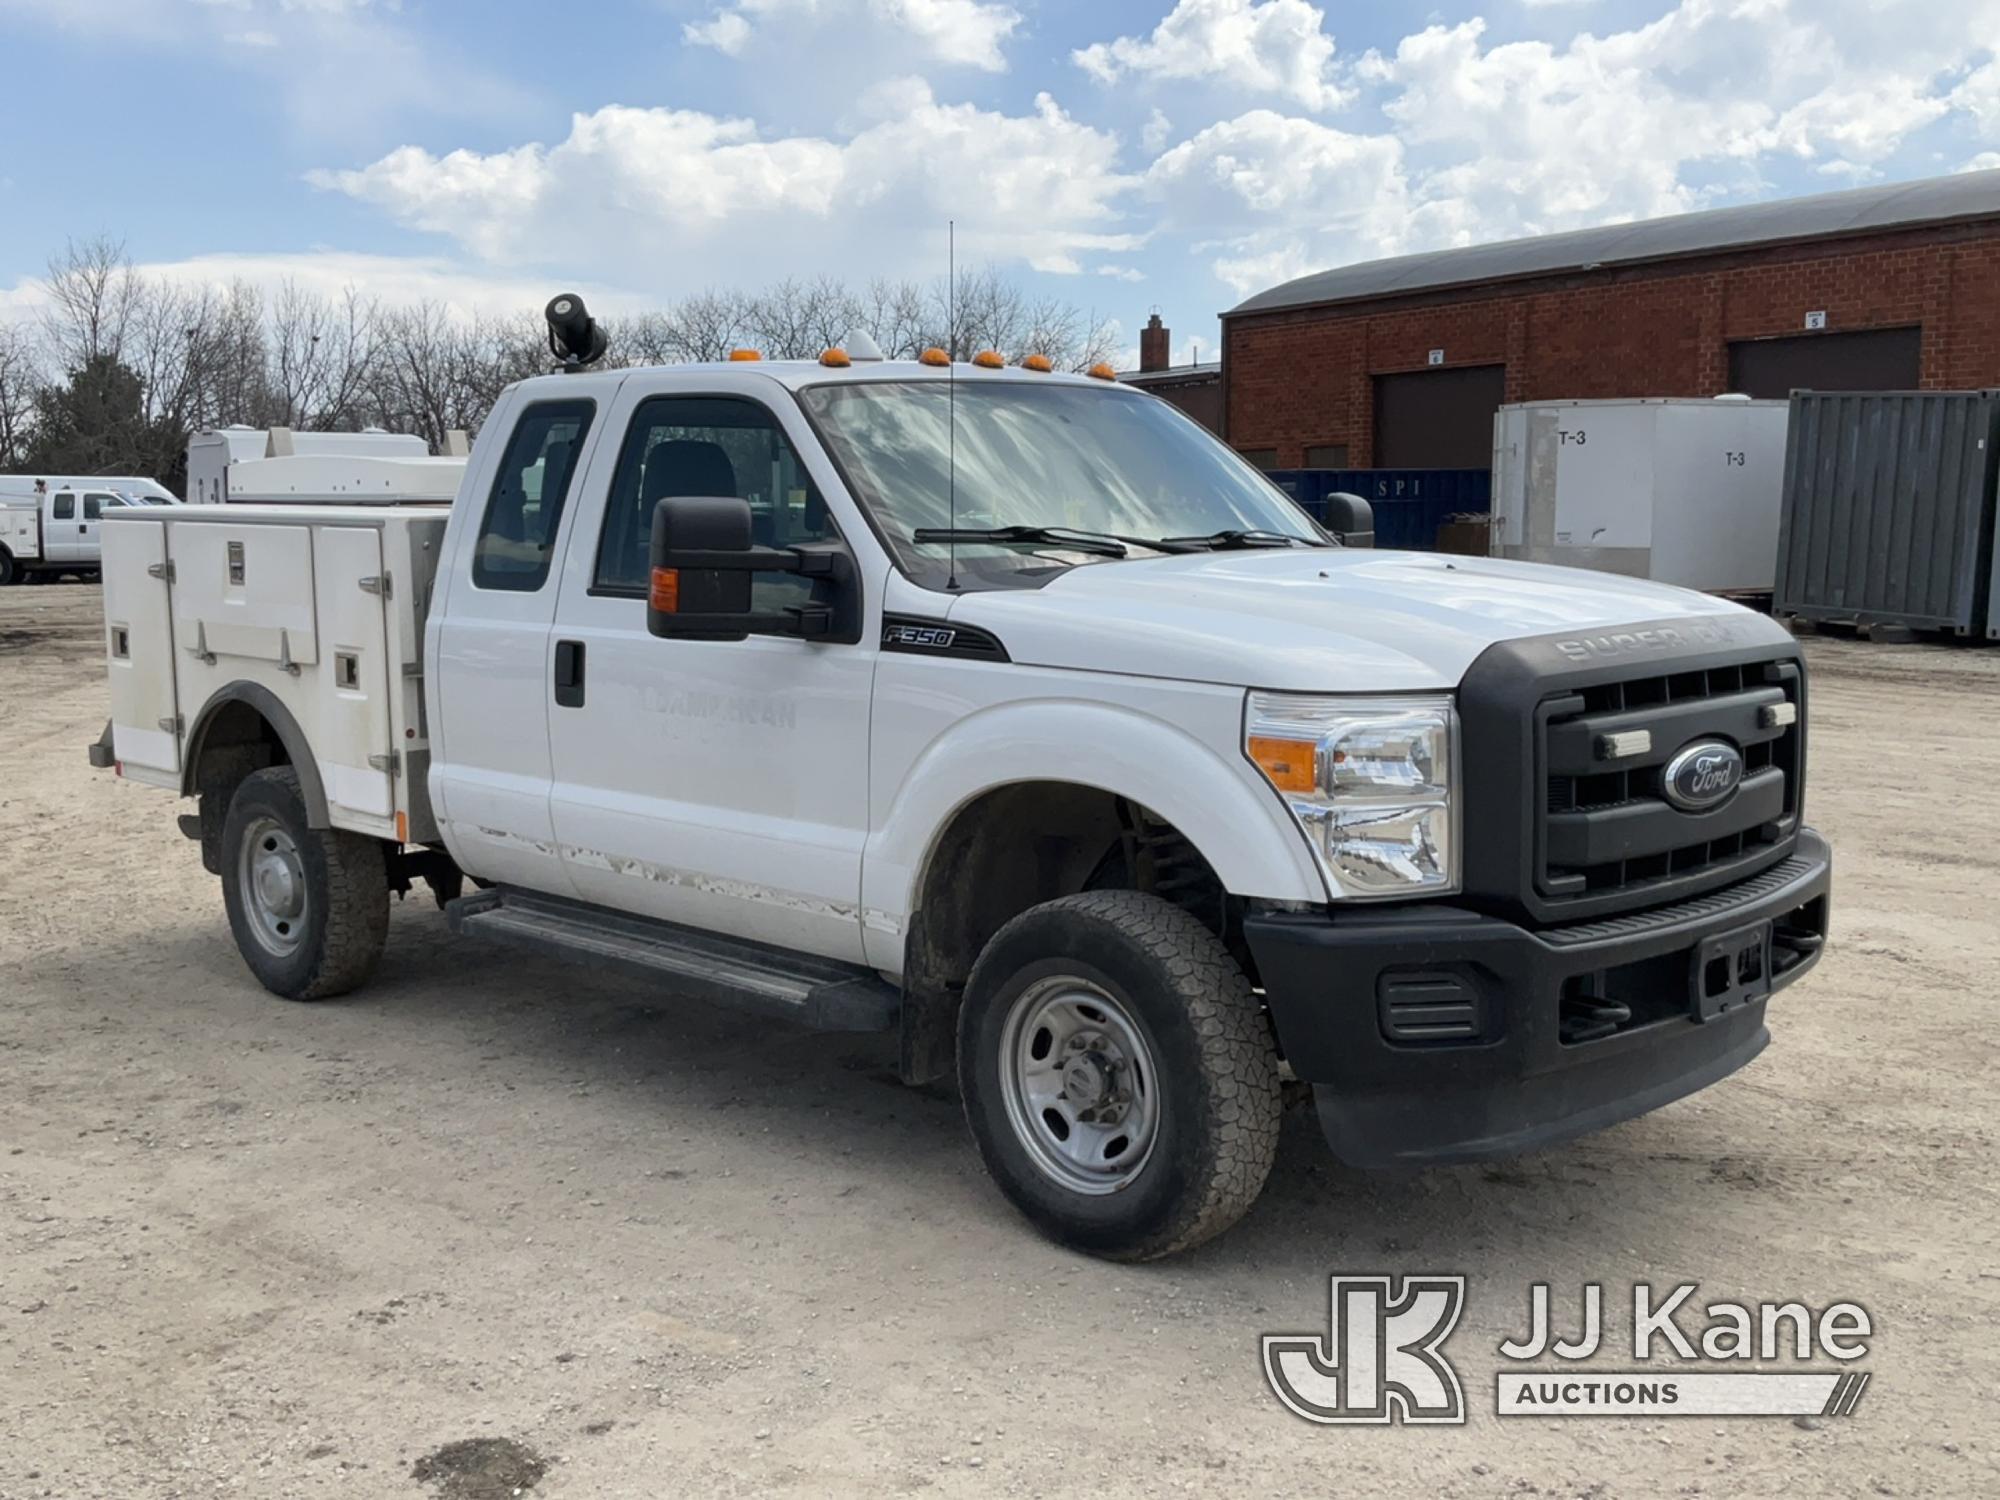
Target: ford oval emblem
1702,775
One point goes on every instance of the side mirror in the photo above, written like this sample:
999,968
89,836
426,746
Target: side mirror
1350,518
700,555
702,559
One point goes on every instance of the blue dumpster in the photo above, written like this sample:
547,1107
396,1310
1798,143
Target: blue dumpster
1409,503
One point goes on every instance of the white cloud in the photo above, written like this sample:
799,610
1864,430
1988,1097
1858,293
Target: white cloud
643,194
1247,185
1985,161
726,31
1526,137
1979,96
1267,47
968,33
1462,140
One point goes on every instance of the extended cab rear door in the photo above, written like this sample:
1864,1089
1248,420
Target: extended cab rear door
489,651
721,784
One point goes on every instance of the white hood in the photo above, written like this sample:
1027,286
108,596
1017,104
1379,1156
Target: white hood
1310,620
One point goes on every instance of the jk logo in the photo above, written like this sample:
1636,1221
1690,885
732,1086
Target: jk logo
1381,1361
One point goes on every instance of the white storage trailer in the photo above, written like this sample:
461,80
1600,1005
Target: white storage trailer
1679,490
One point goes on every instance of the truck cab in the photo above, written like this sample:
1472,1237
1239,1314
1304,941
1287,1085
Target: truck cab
1010,712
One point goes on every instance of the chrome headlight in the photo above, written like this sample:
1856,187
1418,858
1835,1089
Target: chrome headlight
1369,782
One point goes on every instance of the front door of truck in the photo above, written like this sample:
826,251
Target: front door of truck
89,547
490,781
721,784
62,526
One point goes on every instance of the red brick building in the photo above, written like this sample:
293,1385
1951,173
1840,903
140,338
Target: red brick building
1400,363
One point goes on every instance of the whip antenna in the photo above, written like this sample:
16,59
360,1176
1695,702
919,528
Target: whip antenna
951,397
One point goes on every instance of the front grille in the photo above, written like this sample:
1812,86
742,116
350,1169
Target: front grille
1606,829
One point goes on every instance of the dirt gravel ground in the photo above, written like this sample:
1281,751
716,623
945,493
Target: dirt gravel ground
496,1226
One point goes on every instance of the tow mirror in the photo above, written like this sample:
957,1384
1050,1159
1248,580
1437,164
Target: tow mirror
1350,518
700,581
702,560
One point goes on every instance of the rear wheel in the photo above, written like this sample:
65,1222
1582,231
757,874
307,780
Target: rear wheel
10,571
309,907
1118,1074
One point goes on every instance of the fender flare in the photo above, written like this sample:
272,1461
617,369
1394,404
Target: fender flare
273,711
1236,822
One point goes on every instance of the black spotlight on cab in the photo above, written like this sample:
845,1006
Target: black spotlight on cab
575,338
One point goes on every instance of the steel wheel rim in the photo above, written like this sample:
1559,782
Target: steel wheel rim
1080,1085
271,879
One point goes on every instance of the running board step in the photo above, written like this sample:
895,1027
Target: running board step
815,992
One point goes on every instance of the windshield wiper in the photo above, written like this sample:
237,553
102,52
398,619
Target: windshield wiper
1220,541
1095,542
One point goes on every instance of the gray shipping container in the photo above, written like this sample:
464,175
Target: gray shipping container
1889,509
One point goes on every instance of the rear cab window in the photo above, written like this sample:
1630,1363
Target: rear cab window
524,508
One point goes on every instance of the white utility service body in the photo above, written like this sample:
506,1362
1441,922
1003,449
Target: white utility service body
1677,490
204,607
872,799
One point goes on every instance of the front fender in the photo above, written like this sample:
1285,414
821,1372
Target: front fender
1219,802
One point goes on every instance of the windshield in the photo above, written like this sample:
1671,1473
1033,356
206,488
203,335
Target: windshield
1036,455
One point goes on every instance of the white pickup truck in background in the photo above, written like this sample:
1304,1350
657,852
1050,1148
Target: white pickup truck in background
53,531
1012,713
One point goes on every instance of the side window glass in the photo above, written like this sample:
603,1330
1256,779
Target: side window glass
525,507
93,506
65,509
710,445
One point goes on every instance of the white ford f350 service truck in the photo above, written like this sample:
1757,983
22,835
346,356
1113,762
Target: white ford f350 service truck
1011,712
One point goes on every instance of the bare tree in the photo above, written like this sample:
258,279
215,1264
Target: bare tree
320,351
797,319
93,293
20,379
892,313
708,325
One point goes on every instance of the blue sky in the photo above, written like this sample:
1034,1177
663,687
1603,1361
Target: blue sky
1124,154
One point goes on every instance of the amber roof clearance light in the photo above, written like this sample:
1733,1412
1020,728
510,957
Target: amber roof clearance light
936,357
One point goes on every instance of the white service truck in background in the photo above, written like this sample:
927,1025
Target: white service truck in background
1012,713
49,529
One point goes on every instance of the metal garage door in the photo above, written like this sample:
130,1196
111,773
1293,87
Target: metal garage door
1880,359
1438,419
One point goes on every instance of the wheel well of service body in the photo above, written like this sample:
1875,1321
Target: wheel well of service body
1016,846
244,728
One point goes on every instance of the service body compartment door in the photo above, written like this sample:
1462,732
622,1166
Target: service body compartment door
139,646
354,739
245,589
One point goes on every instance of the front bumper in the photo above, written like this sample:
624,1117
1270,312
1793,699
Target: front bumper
1437,1034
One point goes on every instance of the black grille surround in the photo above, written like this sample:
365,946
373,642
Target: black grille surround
1554,833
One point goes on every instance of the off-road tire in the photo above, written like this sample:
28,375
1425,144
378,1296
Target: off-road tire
347,893
1217,1130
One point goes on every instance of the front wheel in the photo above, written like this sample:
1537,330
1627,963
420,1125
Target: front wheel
1118,1074
309,906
